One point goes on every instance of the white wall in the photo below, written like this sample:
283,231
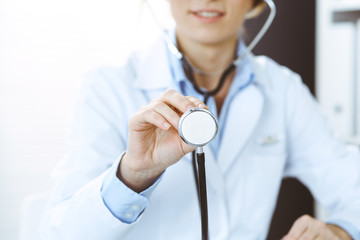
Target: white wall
45,47
337,64
336,67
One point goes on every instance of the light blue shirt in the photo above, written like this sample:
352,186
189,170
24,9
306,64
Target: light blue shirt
127,205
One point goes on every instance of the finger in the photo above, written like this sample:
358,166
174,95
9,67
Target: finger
197,102
176,100
156,119
167,113
321,235
146,119
327,234
299,226
315,228
310,233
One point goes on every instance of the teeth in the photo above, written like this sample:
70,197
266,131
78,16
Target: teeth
208,14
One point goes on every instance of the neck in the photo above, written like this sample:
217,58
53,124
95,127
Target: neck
209,58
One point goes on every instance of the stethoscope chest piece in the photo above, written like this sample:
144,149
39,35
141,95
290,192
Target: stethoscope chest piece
197,127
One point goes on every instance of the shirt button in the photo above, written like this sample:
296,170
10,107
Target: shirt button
128,215
135,207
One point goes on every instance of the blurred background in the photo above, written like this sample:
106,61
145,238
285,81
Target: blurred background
46,47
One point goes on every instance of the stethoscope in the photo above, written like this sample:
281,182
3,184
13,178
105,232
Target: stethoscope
197,127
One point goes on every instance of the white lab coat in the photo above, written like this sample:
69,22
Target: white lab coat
244,181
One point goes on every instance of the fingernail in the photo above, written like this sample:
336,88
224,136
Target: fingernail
167,125
201,105
189,107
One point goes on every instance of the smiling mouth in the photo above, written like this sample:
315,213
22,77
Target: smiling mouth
208,14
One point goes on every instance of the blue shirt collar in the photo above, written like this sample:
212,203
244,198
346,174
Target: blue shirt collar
244,71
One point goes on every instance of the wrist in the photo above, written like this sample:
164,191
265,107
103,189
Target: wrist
137,180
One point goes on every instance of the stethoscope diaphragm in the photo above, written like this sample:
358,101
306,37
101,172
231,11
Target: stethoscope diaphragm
197,127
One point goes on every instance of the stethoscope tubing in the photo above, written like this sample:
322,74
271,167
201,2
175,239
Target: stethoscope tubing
202,194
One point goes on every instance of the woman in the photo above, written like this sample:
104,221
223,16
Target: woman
128,174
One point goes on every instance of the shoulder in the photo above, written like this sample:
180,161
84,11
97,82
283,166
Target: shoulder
282,86
110,83
273,75
125,75
279,82
102,76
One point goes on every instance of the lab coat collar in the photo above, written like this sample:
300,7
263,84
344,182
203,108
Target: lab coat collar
258,66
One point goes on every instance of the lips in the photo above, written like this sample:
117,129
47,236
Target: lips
208,16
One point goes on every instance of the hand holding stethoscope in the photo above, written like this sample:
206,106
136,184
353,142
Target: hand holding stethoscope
153,141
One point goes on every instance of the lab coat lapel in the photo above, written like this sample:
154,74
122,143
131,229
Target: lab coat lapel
213,175
243,116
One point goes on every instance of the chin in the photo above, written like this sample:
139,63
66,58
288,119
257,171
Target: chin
208,36
213,38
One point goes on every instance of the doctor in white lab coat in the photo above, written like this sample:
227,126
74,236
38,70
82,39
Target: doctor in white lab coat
128,175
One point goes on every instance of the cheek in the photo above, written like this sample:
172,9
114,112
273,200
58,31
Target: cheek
177,11
236,20
238,11
241,6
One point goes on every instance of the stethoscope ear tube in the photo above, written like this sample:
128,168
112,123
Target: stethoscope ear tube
261,33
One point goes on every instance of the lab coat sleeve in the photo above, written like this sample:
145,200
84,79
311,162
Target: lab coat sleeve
98,137
329,168
125,204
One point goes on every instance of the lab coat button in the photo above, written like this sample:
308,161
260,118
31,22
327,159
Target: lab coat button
129,215
135,207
